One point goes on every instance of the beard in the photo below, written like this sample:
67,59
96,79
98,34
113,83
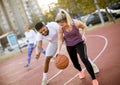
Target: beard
46,33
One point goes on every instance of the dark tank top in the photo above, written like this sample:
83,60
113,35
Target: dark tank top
72,37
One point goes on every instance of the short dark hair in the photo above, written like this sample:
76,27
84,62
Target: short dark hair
39,25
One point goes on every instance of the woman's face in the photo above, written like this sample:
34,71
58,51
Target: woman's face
27,27
63,24
44,31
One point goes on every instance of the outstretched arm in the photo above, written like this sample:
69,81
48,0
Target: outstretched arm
38,47
60,40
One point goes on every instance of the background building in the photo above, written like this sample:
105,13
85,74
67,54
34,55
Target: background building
14,14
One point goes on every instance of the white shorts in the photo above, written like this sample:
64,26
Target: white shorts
51,49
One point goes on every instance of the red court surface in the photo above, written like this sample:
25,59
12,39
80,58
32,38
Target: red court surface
102,46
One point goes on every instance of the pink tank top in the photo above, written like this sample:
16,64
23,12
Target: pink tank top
73,37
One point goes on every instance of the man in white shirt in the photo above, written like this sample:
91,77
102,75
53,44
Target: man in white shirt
47,32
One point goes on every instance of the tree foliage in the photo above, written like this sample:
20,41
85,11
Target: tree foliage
76,8
35,19
83,6
49,16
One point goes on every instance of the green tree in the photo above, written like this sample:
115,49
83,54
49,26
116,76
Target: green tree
77,7
85,6
49,16
3,40
35,19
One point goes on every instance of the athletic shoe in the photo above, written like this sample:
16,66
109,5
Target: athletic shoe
81,75
27,65
44,81
95,82
95,68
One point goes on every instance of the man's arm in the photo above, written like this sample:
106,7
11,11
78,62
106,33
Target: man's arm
38,47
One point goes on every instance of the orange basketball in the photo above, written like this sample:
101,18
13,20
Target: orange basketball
61,61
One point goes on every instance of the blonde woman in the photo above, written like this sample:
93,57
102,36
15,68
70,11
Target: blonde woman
75,42
30,35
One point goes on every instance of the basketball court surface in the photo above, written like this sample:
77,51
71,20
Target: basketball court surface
103,47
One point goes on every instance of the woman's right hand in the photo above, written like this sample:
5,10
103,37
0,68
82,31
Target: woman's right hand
84,38
57,53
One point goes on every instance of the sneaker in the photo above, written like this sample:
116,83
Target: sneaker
81,75
44,82
95,82
95,68
27,65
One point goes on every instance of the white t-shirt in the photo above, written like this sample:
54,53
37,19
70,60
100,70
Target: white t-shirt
53,35
31,36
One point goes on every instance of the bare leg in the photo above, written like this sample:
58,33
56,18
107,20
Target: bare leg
46,68
46,64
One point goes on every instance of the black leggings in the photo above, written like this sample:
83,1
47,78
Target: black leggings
80,48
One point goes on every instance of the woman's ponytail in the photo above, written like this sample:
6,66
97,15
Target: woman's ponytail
63,16
67,16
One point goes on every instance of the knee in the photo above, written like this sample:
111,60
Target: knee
85,60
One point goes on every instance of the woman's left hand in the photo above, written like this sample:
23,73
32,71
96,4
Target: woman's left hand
84,38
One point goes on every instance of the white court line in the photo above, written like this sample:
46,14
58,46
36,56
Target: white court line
55,75
106,43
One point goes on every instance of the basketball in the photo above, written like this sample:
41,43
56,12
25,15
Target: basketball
61,61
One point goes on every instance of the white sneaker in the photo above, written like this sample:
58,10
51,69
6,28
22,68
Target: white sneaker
44,81
95,68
